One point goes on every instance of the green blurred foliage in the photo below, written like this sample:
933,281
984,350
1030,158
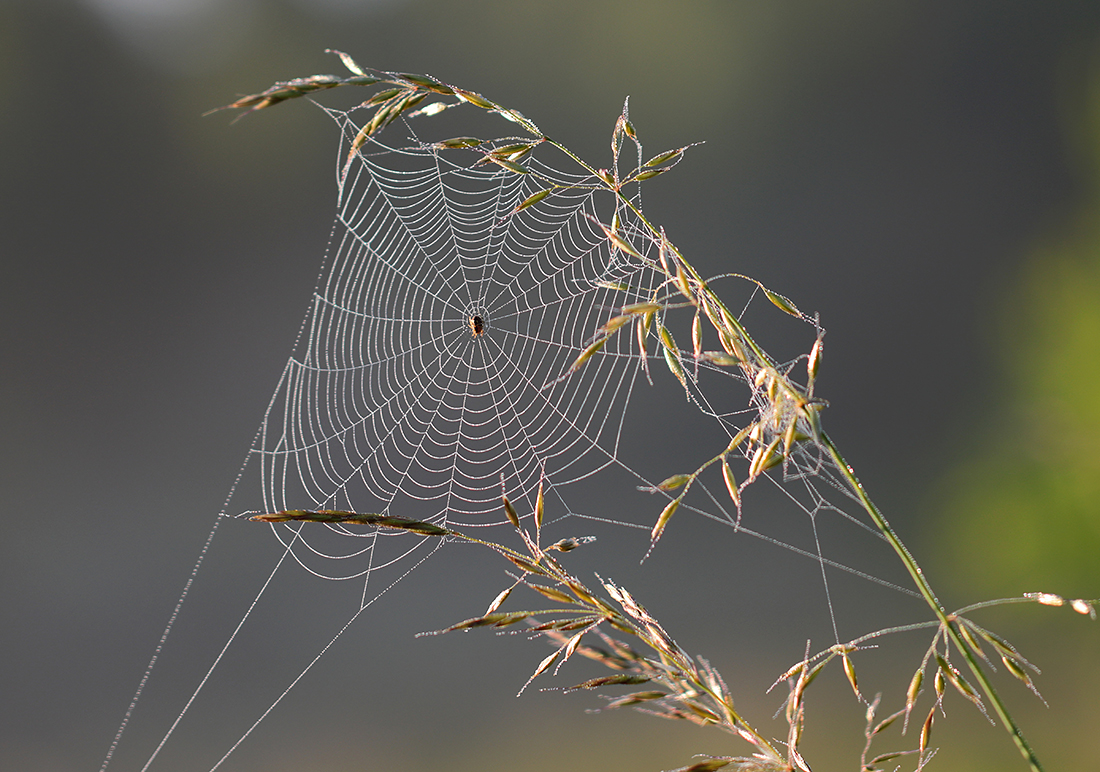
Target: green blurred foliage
1023,506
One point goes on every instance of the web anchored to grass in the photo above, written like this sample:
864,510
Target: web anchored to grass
475,339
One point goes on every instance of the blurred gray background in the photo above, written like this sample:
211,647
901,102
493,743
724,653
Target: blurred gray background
905,169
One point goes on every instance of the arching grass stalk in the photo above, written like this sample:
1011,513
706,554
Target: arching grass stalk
786,431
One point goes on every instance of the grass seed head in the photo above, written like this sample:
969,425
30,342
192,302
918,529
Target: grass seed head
850,672
731,483
510,512
533,199
814,360
913,691
1083,607
674,482
662,520
926,730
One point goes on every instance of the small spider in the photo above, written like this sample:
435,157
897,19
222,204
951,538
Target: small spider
477,326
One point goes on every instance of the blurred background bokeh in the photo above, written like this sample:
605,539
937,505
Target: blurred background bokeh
926,176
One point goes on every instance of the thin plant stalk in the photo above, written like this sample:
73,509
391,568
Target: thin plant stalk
798,403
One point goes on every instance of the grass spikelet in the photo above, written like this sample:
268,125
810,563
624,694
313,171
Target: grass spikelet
782,303
475,99
1083,607
814,360
499,599
850,673
682,282
675,367
913,691
540,507
731,483
533,199
455,143
785,409
526,565
972,641
614,323
673,482
662,520
510,512
926,731
661,158
647,175
511,166
347,60
697,336
641,308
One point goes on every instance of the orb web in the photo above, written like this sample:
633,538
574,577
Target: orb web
427,378
435,371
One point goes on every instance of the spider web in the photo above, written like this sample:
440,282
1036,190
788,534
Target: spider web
434,372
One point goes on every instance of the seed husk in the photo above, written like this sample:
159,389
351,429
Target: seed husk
971,641
673,482
850,672
615,323
510,512
533,199
697,335
1014,667
501,619
508,151
635,698
682,282
643,328
591,349
383,96
459,142
673,362
641,308
731,483
665,516
814,361
926,730
720,358
511,166
540,506
887,722
421,80
622,243
740,437
595,683
526,565
781,302
544,665
348,61
1083,607
474,99
914,689
499,600
885,757
661,158
648,174
789,436
552,593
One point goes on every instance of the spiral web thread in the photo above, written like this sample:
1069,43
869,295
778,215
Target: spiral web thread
392,404
428,376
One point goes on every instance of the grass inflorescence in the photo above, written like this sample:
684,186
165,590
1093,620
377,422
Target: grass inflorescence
608,624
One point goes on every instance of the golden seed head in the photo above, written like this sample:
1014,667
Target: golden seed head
1083,607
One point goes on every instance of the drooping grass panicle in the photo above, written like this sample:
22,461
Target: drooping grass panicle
785,433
